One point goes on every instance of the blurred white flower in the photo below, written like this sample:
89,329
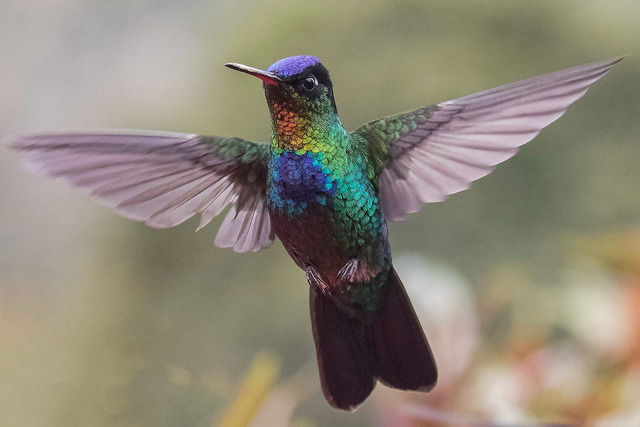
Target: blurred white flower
496,393
595,311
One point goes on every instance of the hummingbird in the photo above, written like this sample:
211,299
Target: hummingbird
327,193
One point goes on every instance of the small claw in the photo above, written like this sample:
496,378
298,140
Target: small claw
348,272
315,279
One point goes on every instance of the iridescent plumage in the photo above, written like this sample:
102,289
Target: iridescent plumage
287,67
326,193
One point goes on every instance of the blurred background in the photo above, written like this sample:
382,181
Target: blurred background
528,285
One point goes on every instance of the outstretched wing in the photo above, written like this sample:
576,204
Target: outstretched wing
164,178
422,156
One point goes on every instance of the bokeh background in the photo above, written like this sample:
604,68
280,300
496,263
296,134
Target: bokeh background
528,285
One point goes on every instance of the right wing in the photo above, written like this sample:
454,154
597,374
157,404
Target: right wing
164,178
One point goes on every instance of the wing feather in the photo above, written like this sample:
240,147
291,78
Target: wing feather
439,150
163,178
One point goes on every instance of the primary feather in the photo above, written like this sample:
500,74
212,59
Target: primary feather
164,179
426,154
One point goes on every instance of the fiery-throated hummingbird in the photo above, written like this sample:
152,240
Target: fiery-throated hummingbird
325,192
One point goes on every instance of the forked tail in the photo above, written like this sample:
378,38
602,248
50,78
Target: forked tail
352,354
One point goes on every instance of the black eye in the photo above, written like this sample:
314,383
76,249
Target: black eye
310,83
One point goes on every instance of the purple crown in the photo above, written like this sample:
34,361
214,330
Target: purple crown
292,65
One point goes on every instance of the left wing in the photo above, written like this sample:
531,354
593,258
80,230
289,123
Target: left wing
164,178
422,156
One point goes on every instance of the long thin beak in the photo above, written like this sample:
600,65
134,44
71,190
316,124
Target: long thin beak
266,76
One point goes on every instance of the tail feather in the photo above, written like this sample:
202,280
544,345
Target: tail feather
352,354
403,357
343,348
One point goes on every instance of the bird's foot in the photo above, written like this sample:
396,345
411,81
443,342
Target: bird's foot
315,279
347,273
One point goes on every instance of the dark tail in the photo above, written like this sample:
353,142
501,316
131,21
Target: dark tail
352,355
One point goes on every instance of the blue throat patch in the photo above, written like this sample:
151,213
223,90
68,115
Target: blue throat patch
299,181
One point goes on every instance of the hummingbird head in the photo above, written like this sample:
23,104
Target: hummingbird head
299,94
